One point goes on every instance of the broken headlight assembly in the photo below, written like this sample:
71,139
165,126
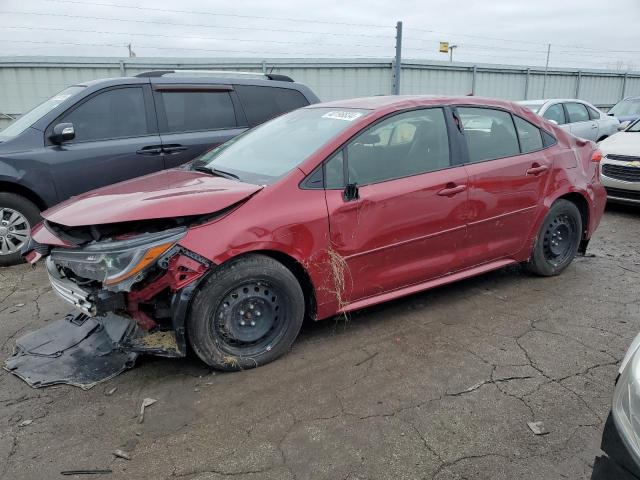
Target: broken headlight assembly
626,401
117,264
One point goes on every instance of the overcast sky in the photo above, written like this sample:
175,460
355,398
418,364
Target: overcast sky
582,33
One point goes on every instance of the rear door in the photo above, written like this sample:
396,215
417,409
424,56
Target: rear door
407,222
508,170
580,124
195,118
116,139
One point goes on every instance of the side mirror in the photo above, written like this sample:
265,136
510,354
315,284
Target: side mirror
62,132
623,125
350,192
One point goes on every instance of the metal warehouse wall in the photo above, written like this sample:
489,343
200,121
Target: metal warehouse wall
27,81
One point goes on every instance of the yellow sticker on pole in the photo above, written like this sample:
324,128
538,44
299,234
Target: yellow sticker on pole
444,47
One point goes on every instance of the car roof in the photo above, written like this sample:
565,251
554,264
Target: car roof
396,102
548,100
221,80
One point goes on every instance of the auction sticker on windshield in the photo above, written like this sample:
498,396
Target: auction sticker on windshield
342,115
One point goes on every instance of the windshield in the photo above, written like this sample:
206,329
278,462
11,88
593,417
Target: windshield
19,125
634,127
266,153
626,107
534,107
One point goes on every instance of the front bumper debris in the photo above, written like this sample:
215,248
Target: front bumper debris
83,351
77,350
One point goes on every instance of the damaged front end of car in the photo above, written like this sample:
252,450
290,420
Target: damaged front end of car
146,276
131,290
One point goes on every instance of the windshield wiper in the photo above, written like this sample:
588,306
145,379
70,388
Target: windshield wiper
215,171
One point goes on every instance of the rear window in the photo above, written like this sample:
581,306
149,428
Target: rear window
555,113
263,103
194,111
529,135
490,133
593,113
577,112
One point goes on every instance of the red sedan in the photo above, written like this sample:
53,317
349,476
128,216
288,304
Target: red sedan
324,210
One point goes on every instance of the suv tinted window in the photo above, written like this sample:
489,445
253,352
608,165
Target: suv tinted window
263,103
115,113
490,133
555,113
577,112
529,135
192,111
405,144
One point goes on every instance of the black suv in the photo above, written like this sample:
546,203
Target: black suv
106,131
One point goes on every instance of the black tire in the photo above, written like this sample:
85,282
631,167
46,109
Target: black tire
246,313
558,240
24,207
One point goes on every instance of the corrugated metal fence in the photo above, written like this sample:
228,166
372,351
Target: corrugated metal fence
27,81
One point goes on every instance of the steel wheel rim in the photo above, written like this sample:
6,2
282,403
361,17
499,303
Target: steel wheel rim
559,239
249,319
14,231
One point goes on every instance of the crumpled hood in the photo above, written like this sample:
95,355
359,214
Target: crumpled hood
621,143
165,194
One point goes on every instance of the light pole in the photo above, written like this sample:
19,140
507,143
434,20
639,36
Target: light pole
451,47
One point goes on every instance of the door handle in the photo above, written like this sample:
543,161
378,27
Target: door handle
537,169
173,148
452,189
594,126
150,150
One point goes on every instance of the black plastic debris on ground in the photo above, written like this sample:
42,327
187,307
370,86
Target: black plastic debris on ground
78,350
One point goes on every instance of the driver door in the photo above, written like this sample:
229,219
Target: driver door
396,198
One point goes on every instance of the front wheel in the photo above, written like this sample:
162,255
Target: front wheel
558,239
246,314
17,216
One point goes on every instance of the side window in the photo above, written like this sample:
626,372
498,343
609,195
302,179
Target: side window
555,113
405,144
193,111
577,112
593,113
529,135
490,133
111,114
333,172
263,103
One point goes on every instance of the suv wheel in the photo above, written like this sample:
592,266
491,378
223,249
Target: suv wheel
247,313
17,216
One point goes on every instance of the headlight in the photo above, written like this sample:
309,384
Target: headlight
626,405
117,261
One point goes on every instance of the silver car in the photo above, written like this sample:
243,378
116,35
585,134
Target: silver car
575,116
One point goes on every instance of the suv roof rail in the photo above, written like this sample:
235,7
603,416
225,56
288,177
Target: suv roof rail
217,73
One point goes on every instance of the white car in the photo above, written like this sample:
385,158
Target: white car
575,116
620,165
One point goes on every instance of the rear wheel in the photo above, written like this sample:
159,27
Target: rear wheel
17,216
246,314
558,239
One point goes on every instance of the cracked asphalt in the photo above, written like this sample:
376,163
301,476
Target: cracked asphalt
439,385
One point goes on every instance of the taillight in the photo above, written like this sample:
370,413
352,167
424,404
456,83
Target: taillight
596,156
